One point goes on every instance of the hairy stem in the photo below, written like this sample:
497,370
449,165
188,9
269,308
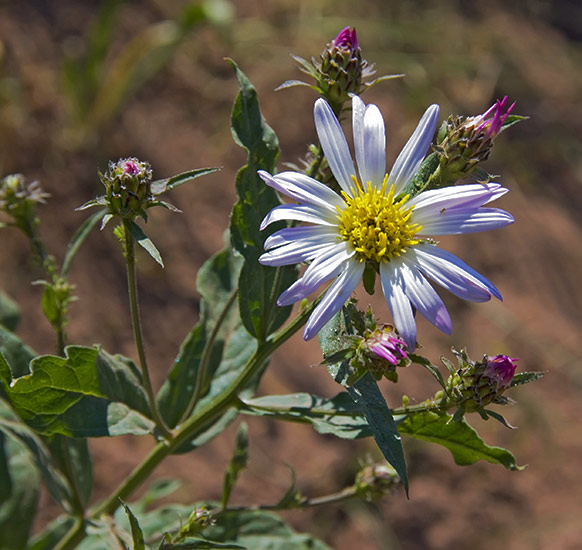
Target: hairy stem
137,331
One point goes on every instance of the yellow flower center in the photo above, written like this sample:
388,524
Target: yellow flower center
378,227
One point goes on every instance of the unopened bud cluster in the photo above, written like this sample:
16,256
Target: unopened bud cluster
19,200
464,142
128,187
476,384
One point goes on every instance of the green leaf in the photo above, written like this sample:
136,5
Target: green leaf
52,534
142,239
79,238
259,285
19,484
9,312
338,416
17,355
50,306
136,532
38,454
427,168
458,437
224,350
74,459
200,544
525,378
260,531
160,186
364,392
87,394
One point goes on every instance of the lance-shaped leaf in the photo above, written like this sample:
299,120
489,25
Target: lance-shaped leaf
339,416
238,462
259,285
458,437
79,238
136,532
364,392
144,241
217,347
160,186
89,393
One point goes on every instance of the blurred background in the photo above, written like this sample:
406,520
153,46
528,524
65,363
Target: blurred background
85,82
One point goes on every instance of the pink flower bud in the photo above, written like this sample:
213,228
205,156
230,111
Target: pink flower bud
346,38
501,369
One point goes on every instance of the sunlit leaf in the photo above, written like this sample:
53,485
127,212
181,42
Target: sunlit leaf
458,437
259,285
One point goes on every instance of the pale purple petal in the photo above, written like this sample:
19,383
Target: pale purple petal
325,267
335,297
409,159
303,189
452,273
334,144
458,196
369,141
322,233
425,299
309,214
293,253
459,221
398,302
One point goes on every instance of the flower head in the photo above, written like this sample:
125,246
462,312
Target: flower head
372,223
477,383
467,141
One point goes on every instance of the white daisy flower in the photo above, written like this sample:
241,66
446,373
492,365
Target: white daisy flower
370,223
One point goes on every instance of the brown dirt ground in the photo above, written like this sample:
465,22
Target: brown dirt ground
461,57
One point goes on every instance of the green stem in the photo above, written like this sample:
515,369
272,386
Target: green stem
202,418
344,494
73,537
205,357
137,332
316,164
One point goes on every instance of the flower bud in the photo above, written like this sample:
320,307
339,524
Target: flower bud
476,384
374,481
19,199
464,142
127,183
381,352
341,68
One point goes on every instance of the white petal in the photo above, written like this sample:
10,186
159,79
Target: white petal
293,253
303,189
325,267
409,159
335,297
310,214
457,196
398,302
456,222
369,141
288,235
425,299
452,273
334,144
